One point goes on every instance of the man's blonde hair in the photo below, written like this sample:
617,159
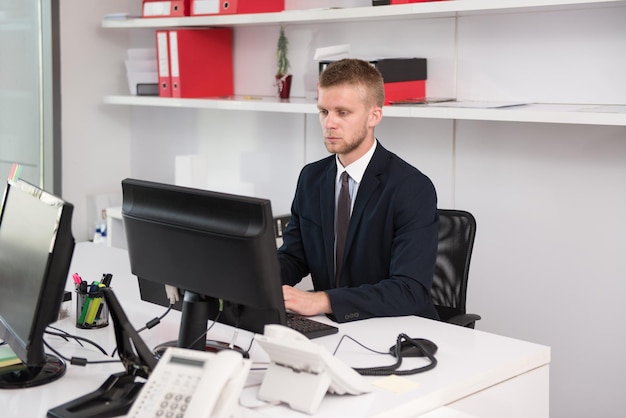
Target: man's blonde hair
355,72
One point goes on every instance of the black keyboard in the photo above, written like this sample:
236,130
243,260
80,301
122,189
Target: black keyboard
308,327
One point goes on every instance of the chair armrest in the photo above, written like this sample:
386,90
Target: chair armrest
464,320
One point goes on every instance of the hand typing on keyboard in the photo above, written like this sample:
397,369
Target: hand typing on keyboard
306,303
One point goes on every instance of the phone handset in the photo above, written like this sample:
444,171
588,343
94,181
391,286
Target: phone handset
193,384
217,393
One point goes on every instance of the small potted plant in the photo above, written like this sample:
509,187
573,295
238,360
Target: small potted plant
283,78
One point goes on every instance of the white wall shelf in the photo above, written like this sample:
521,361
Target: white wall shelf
426,10
587,114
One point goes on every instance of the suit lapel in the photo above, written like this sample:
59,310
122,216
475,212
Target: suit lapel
370,182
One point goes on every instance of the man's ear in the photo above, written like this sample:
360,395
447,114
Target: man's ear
376,115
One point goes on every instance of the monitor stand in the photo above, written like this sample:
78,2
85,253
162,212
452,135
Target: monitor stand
116,395
28,377
196,313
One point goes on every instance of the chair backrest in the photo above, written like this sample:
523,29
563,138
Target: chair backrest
457,230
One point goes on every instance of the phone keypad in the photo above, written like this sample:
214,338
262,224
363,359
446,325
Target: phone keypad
168,397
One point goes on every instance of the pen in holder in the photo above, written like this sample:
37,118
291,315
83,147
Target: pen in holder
91,309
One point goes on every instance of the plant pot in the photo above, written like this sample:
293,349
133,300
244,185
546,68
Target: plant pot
283,83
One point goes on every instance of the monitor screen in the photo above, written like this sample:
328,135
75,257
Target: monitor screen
36,247
220,249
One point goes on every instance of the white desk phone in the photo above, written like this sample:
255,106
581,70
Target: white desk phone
301,371
196,384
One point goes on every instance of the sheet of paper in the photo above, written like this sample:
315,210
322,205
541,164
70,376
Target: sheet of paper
334,52
395,384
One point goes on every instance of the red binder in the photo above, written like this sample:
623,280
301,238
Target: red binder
163,63
214,7
405,90
161,8
201,62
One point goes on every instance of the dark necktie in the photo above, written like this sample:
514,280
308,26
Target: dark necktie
343,219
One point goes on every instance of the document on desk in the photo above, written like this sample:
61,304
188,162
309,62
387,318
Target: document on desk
395,384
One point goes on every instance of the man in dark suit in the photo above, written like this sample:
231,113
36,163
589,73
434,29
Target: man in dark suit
387,264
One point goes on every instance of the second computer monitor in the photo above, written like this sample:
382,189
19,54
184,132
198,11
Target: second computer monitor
36,248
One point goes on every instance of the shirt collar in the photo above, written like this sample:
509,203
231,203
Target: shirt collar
356,170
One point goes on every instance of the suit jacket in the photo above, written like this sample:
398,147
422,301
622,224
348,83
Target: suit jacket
391,245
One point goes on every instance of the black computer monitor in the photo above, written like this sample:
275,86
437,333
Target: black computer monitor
36,247
219,248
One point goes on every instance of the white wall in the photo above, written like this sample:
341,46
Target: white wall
549,263
95,137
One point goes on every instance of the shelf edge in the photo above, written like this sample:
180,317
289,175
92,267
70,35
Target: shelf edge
379,13
302,106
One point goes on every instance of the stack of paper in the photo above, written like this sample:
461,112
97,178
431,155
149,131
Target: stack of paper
8,360
141,70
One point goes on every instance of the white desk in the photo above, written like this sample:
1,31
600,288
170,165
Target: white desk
478,375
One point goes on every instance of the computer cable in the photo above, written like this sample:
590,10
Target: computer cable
155,321
213,345
78,361
150,324
217,317
67,336
204,334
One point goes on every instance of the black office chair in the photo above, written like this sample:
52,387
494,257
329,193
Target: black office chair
457,230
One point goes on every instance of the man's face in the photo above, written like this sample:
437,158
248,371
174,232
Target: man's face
347,121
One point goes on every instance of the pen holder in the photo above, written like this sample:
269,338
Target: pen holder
91,310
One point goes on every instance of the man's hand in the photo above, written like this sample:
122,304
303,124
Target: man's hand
306,303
